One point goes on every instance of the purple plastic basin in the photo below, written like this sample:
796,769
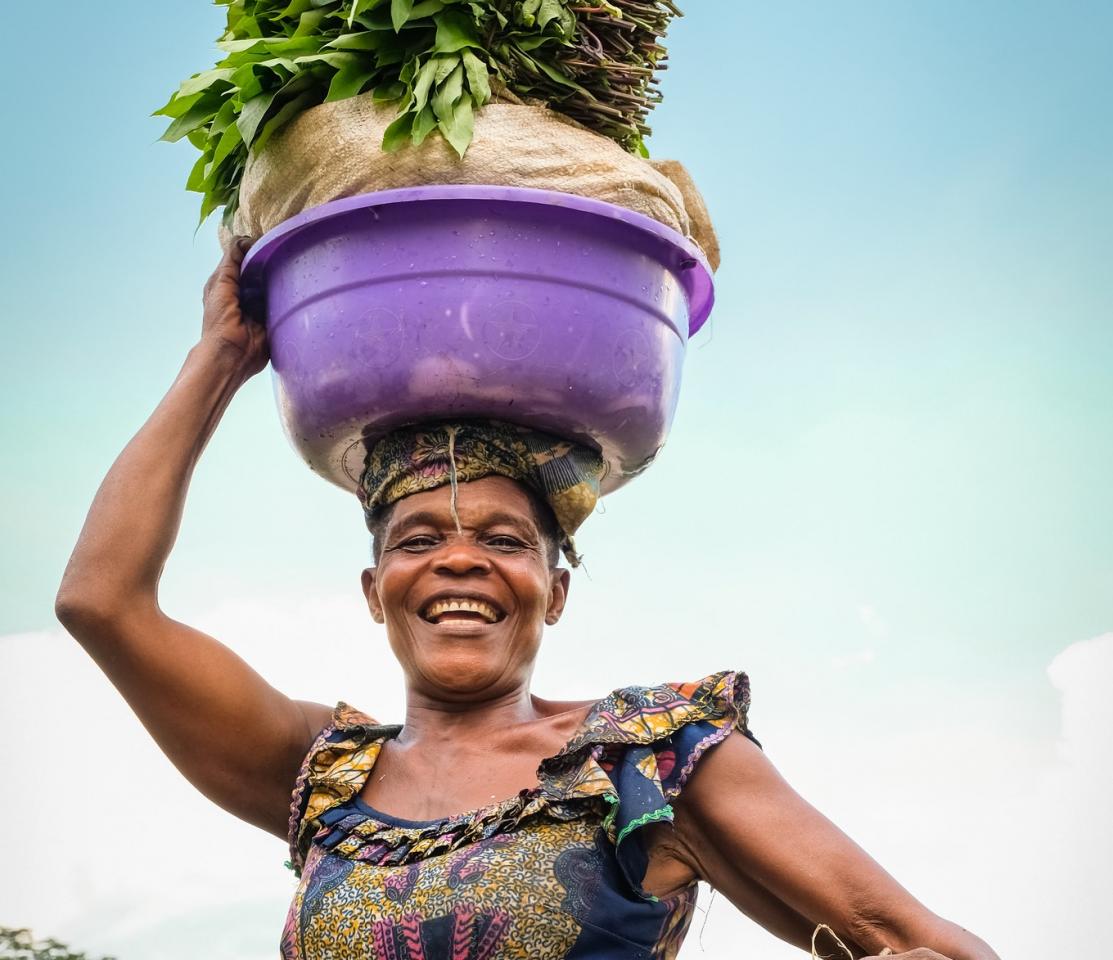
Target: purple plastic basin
541,308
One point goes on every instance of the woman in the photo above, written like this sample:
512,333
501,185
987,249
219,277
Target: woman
492,823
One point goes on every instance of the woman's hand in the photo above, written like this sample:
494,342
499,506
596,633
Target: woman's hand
225,325
922,954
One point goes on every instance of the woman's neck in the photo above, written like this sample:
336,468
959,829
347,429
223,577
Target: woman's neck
431,718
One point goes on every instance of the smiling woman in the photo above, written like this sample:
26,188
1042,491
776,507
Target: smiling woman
491,823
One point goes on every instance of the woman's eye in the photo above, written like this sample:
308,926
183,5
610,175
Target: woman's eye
504,542
416,544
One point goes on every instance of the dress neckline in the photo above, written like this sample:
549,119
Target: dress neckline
392,820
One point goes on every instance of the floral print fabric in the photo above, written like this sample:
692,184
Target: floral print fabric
554,872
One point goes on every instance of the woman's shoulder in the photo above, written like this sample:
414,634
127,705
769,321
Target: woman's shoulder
334,768
645,714
637,750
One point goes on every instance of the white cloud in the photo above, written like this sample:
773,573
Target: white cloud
1003,831
875,624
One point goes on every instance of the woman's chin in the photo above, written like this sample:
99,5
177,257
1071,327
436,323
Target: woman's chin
463,675
464,672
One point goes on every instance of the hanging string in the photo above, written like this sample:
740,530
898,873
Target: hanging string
835,936
706,915
887,952
452,477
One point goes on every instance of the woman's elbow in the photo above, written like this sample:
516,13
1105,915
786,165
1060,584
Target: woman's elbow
80,612
87,613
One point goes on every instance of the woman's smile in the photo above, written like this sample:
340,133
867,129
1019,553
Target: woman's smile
456,609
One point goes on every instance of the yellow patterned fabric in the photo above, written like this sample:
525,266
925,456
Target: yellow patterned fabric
553,873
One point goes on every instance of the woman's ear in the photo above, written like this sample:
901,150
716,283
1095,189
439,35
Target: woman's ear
374,604
560,580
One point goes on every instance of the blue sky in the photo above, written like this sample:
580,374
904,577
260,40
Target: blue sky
886,494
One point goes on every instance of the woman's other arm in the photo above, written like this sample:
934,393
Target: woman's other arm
740,827
233,736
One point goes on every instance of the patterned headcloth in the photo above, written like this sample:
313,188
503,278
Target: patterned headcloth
427,456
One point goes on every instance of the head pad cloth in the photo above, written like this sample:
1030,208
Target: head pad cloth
424,457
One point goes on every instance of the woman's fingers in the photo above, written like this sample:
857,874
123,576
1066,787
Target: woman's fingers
921,953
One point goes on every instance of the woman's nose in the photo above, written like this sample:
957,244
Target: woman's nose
460,556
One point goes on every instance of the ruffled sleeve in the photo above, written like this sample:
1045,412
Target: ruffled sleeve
638,749
333,772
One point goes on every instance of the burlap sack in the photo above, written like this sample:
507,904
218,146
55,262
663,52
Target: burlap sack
334,150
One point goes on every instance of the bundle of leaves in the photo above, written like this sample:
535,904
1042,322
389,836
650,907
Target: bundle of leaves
594,60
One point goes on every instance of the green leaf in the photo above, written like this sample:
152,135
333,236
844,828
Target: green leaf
196,180
208,205
249,82
360,6
455,32
426,9
448,93
557,77
349,81
445,66
284,116
228,142
422,84
177,106
460,128
424,124
223,119
203,81
309,22
295,9
549,10
337,60
478,78
399,133
248,27
240,46
529,44
200,113
368,40
252,114
400,11
526,12
389,91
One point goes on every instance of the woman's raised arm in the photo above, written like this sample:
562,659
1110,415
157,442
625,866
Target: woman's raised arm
740,827
236,738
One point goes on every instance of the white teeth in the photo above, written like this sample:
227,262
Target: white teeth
441,607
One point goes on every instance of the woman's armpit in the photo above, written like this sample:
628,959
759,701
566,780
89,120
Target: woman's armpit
669,871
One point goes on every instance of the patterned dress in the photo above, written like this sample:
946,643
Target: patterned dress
554,873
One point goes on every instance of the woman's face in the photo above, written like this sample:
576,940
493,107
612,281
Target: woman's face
465,610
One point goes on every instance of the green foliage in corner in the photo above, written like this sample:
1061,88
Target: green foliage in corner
21,945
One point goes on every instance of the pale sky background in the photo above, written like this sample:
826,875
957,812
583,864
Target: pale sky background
886,495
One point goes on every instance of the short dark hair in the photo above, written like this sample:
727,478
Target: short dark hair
543,516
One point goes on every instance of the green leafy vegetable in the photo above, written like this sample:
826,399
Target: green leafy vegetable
593,60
